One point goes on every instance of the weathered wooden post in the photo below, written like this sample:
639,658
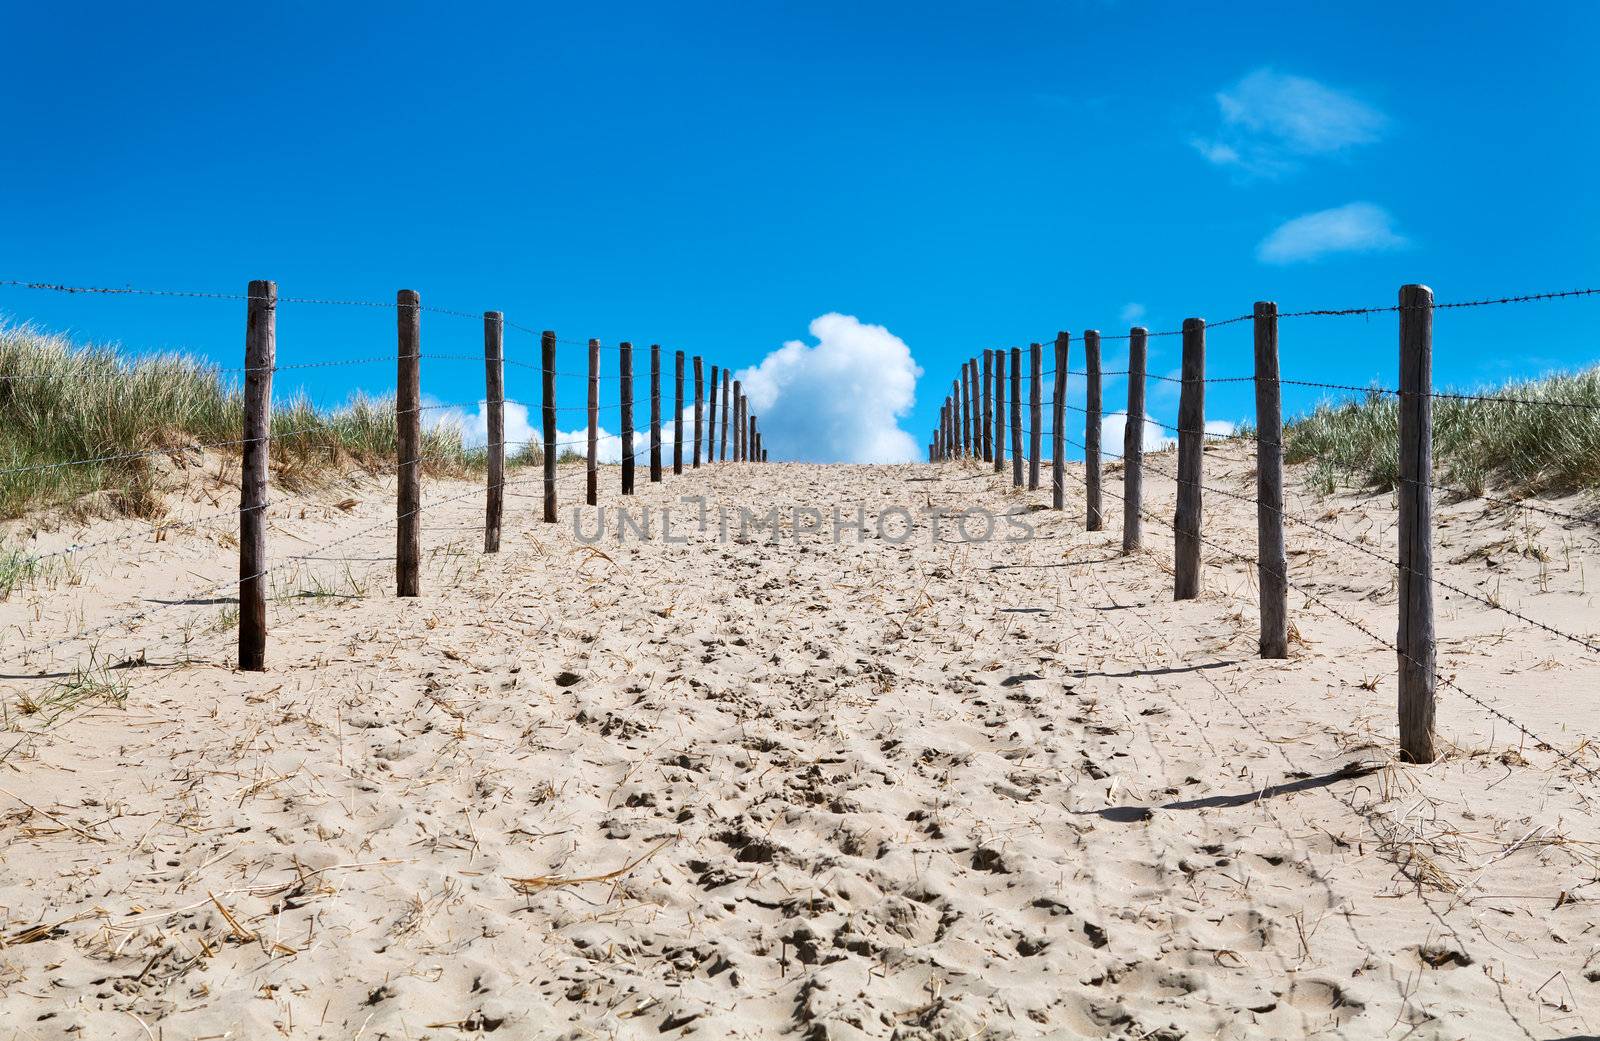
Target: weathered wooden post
655,413
966,413
1016,417
494,388
1415,640
260,357
547,349
1058,413
711,418
1133,445
625,363
1191,462
966,410
749,440
408,444
988,406
977,409
699,406
738,418
677,413
727,399
1094,519
592,471
1273,564
1035,415
999,410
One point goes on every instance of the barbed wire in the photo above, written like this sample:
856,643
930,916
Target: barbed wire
1441,679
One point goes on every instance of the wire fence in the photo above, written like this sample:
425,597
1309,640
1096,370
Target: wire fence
691,424
1002,397
970,426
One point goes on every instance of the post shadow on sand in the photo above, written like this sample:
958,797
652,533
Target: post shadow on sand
1134,814
1165,670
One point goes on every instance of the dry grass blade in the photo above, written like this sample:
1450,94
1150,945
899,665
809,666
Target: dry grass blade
50,816
240,933
538,883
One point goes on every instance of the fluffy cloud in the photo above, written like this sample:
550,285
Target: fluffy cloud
839,400
1157,438
1272,121
1113,429
1357,227
474,428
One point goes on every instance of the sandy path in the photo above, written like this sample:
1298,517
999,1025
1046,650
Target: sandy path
942,789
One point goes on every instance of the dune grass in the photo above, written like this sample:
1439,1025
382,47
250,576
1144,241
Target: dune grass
1540,447
64,402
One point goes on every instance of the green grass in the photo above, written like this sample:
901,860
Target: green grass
64,401
1529,448
18,568
94,682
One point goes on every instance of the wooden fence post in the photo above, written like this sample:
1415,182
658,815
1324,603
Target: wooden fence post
494,387
977,409
988,406
967,411
738,418
625,373
711,418
655,412
1016,417
749,439
1133,445
677,412
1191,462
260,357
408,444
1058,415
999,410
727,399
699,406
1094,517
547,350
1035,415
957,415
592,471
967,414
1273,564
1415,640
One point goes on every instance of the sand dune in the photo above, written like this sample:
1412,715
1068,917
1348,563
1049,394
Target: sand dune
936,790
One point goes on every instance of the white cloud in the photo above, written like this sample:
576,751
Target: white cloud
1357,227
1271,121
1157,438
837,401
1133,313
520,434
1113,429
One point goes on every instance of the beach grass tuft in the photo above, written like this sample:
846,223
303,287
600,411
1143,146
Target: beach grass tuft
1538,444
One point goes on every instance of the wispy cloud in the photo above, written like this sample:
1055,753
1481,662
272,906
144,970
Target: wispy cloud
839,400
1133,313
1272,122
1357,227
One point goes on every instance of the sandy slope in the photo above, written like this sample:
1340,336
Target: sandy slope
938,790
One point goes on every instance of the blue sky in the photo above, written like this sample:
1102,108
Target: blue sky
717,177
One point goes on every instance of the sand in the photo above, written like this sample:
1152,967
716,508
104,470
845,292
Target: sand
937,790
